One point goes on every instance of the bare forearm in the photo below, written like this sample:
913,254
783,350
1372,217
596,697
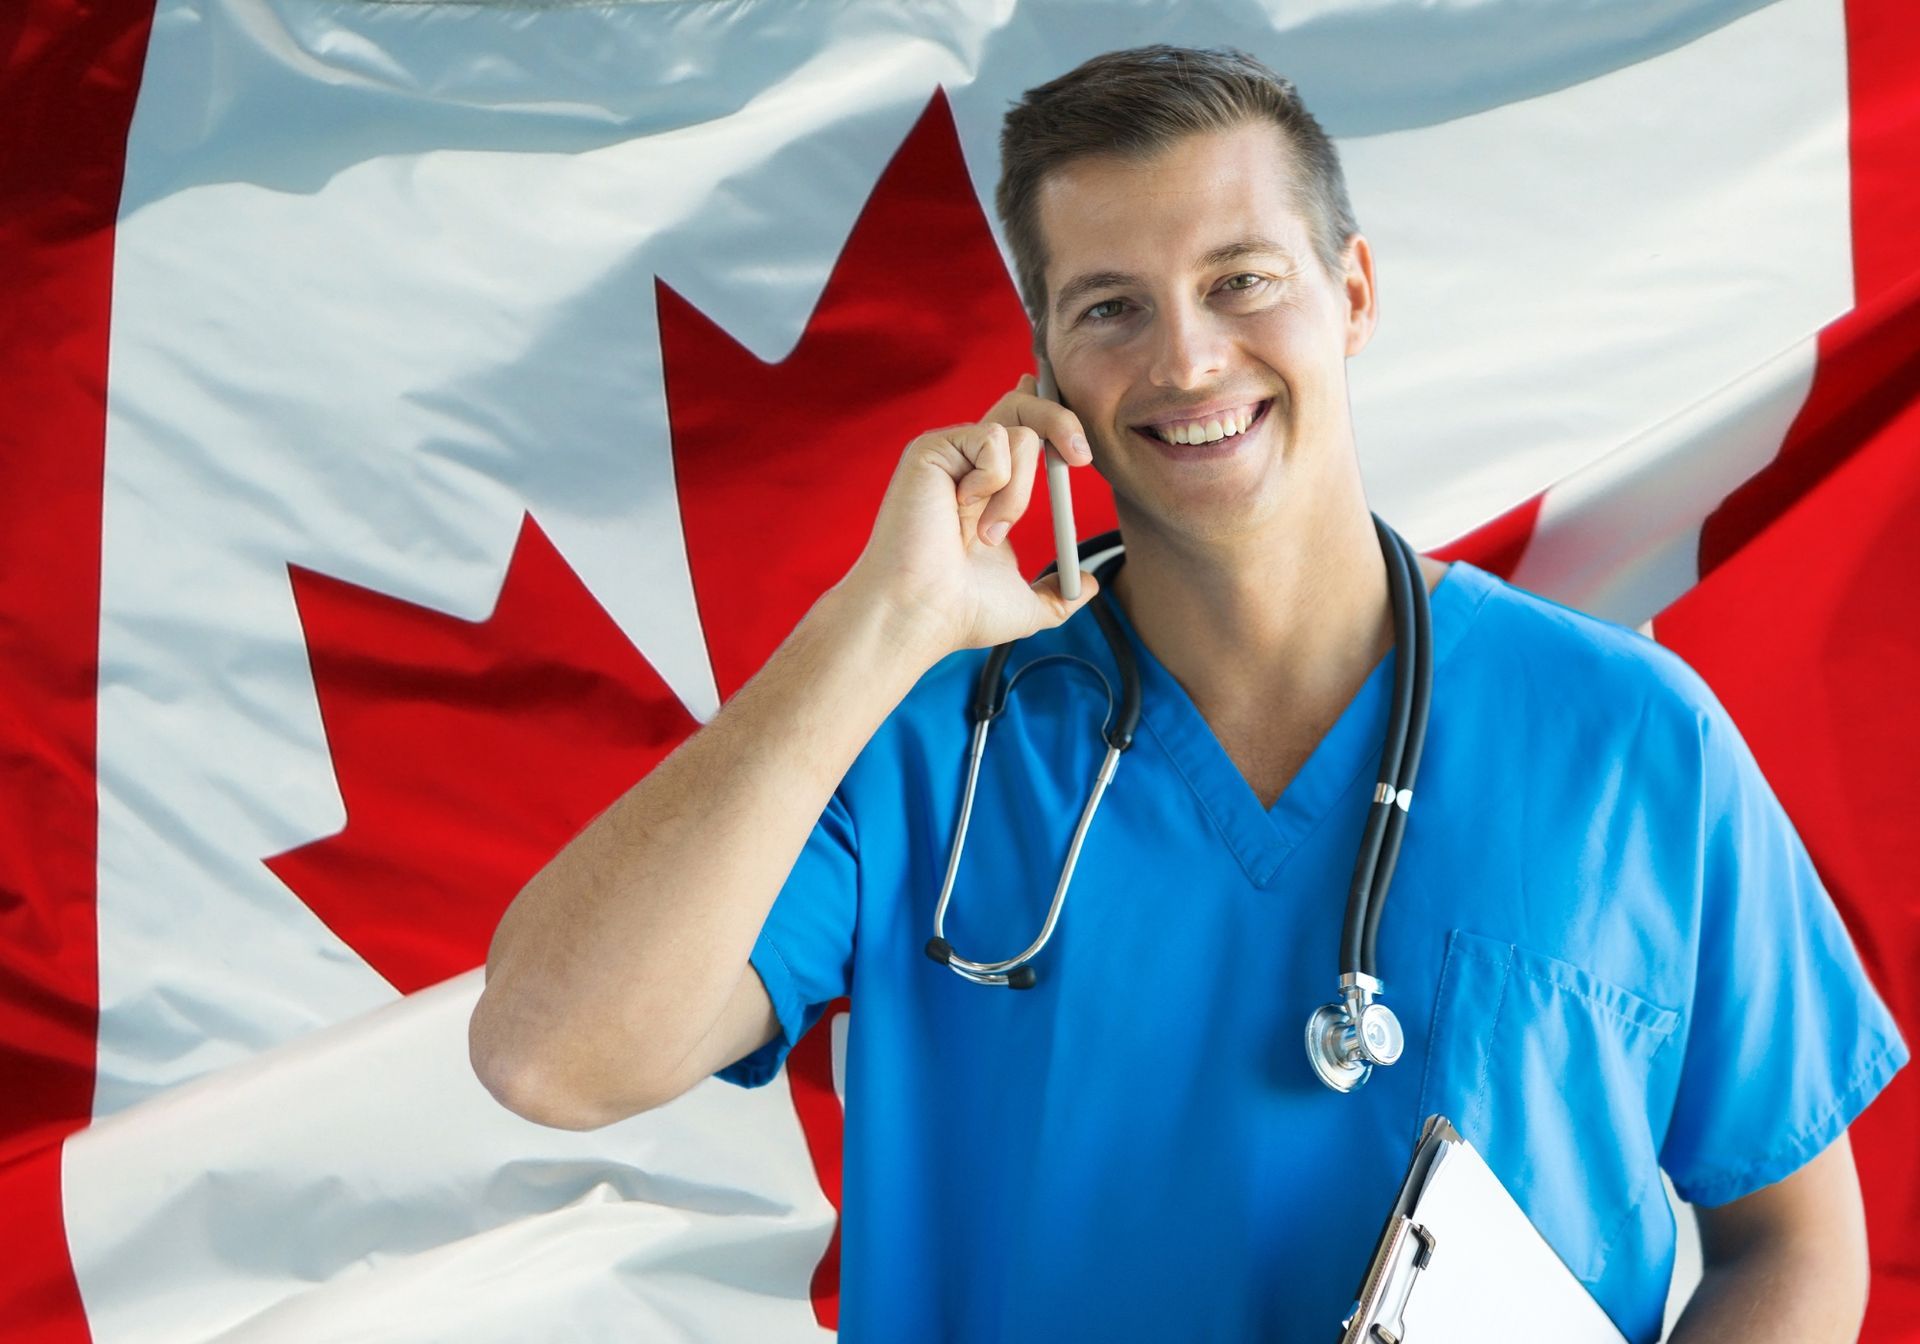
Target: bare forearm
1787,1262
1784,1294
623,950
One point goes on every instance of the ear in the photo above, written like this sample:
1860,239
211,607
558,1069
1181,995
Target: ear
1357,288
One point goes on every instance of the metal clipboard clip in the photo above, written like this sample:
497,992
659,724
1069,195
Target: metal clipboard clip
1410,1252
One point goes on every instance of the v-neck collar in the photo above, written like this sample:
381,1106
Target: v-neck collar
1261,838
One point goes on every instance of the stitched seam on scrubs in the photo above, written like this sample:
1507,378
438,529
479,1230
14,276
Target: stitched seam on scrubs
1604,1245
1459,952
776,1049
790,991
1577,982
1200,796
1448,969
1729,1185
859,888
1493,1032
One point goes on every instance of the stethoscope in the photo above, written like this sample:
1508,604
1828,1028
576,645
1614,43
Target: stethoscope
1347,1037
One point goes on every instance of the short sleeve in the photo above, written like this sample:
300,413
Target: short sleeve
804,953
1787,1040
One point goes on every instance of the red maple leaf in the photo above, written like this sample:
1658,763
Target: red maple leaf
468,752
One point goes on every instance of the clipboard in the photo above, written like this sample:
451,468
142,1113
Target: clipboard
1459,1261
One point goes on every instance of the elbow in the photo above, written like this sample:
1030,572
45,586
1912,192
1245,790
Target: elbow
524,1086
527,1096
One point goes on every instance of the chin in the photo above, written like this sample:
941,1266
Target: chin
1196,514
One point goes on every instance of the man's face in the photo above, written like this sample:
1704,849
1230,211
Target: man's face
1183,287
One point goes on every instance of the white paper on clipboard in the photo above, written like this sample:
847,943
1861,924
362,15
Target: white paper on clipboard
1459,1261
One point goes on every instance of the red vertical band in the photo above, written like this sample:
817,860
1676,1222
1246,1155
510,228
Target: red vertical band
69,71
1807,627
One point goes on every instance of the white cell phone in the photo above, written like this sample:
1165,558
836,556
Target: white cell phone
1066,546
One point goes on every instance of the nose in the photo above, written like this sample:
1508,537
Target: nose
1188,348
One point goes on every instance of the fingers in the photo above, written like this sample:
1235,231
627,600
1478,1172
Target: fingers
987,448
1005,507
1025,408
993,466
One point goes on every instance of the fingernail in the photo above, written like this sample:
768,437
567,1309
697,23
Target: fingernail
996,531
1079,441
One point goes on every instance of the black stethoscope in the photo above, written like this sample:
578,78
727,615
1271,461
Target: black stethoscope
1347,1037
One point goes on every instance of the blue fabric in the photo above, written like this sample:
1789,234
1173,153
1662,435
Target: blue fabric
1608,948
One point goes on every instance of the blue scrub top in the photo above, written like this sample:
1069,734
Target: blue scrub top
1609,949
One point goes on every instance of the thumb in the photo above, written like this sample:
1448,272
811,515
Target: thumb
1056,608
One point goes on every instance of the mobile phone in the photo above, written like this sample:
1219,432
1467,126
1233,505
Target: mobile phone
1066,546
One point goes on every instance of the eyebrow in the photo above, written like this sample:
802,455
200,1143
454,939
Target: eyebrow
1082,285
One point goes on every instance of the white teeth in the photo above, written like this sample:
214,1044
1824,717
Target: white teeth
1209,431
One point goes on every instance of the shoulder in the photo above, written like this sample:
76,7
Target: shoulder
928,732
1579,668
1576,690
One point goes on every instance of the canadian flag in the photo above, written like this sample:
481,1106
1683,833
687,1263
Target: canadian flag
416,418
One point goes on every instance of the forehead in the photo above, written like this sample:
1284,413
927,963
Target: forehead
1155,214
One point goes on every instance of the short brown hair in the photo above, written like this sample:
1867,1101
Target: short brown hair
1139,101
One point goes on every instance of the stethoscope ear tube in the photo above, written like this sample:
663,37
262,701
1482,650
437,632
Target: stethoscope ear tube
1020,977
989,700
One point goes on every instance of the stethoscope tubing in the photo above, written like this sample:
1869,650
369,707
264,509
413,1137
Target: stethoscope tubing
990,696
1386,815
1420,656
998,972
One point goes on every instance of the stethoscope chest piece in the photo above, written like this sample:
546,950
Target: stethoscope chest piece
1346,1039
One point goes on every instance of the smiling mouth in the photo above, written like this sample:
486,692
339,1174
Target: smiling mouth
1214,429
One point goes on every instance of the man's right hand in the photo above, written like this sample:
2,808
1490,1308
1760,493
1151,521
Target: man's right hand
938,560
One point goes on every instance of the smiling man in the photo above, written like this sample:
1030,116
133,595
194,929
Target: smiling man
1610,953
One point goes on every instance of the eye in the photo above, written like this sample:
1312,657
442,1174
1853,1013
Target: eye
1095,313
1243,282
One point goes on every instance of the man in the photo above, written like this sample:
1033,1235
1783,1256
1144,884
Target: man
1609,951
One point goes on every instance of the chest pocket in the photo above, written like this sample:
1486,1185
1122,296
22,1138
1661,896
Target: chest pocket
1543,1067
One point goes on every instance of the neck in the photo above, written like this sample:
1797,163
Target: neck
1293,614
